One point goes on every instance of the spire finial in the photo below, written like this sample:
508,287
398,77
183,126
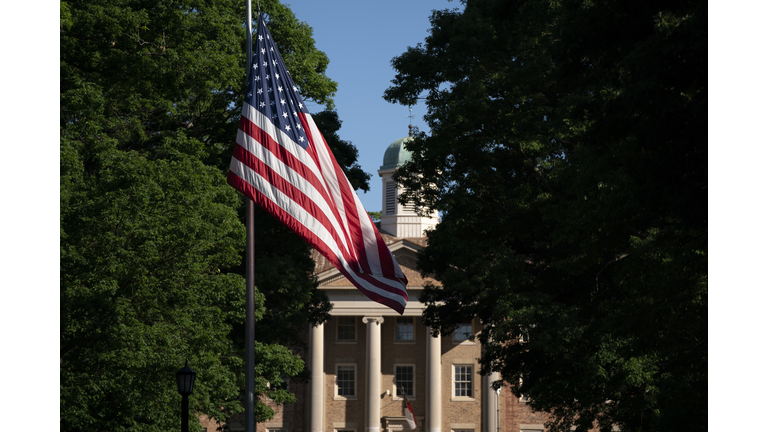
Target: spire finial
410,123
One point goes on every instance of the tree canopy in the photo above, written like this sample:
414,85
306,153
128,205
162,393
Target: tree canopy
152,238
568,158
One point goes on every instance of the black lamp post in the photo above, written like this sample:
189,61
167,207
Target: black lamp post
185,380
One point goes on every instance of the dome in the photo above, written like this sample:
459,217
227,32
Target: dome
396,154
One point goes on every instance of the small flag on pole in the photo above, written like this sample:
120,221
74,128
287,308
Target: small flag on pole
409,417
282,162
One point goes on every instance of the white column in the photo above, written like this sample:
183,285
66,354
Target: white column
373,373
316,334
489,402
434,399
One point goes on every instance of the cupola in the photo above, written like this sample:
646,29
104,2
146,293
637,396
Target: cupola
396,219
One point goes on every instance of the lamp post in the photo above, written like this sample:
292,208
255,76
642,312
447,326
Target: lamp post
185,380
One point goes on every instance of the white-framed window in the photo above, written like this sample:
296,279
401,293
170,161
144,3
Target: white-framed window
462,381
346,381
404,329
346,329
404,381
463,332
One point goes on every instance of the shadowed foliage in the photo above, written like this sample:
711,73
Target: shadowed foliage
568,158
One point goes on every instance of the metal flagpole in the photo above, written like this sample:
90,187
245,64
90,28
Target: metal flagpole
250,324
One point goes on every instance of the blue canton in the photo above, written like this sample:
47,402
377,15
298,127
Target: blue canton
271,90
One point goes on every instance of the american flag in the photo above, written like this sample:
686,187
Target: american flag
282,162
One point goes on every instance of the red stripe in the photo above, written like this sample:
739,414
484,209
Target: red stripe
386,258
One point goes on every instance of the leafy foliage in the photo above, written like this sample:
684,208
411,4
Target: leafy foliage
151,235
568,159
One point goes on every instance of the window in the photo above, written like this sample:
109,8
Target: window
346,329
462,381
404,380
403,329
463,332
525,333
345,380
280,386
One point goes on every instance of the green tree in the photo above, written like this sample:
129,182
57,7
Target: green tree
568,158
151,235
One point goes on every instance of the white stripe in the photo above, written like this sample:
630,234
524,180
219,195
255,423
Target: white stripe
294,178
299,214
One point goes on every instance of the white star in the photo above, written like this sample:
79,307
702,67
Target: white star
294,113
272,102
300,105
279,88
287,127
298,126
295,89
263,51
274,62
301,139
277,76
266,76
272,49
250,94
267,36
285,115
270,89
254,66
259,91
257,78
265,63
282,101
261,104
261,37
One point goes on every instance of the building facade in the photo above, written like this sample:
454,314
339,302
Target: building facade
366,357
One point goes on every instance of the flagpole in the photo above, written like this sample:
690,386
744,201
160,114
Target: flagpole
250,324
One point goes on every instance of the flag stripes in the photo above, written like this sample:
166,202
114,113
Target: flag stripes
282,162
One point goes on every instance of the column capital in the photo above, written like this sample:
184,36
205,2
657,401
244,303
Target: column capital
375,319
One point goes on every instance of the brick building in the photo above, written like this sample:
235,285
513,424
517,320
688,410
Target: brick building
357,356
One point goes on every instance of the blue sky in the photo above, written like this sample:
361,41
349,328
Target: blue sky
360,39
